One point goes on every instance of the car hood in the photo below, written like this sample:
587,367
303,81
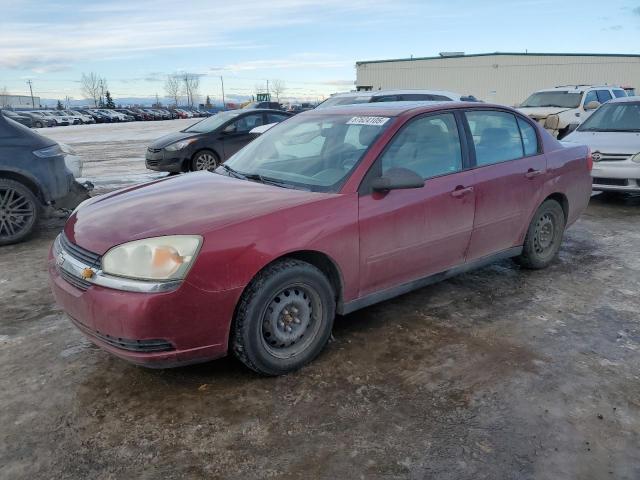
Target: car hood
606,142
542,112
190,204
171,138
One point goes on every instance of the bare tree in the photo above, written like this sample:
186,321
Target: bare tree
190,85
278,87
172,88
92,87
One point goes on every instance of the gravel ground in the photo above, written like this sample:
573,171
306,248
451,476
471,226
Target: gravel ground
500,373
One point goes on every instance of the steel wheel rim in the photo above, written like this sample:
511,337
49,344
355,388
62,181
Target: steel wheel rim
291,321
544,236
206,161
16,212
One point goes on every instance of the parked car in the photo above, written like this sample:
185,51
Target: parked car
33,175
354,98
613,134
330,211
84,118
153,113
130,113
39,120
145,115
300,108
630,91
16,117
180,114
72,119
561,109
209,142
60,121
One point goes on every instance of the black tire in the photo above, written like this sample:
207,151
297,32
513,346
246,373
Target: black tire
19,211
287,301
205,160
38,125
544,236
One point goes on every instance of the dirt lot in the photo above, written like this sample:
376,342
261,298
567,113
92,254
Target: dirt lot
497,374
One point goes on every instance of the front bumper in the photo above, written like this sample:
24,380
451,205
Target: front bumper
162,160
159,330
618,176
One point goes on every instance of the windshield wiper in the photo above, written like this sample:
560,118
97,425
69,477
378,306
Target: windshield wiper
268,181
233,173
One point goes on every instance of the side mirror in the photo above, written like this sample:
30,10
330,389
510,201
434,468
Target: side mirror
592,105
230,128
397,179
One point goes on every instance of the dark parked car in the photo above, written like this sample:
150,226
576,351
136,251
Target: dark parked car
131,113
270,105
16,117
33,175
97,116
208,143
39,120
329,212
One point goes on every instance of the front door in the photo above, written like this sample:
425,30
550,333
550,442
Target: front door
510,171
409,234
236,134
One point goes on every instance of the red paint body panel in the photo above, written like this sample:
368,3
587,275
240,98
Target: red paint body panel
376,241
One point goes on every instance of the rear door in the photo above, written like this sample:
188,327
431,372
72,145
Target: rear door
409,234
237,137
509,174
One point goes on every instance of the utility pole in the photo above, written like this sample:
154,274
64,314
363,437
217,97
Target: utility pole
157,101
33,103
268,87
101,92
223,102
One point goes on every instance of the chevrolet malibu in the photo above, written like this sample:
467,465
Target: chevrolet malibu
328,212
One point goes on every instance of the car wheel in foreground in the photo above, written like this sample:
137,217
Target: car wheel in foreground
18,211
205,160
544,236
284,318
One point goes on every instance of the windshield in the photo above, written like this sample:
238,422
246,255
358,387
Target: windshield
561,99
211,123
614,117
350,100
311,152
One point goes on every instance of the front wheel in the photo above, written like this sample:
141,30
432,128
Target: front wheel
205,160
284,318
544,236
18,211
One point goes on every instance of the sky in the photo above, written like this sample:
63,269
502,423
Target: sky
310,45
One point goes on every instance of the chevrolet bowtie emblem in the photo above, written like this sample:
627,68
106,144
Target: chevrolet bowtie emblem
87,273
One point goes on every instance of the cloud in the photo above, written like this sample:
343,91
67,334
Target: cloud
299,61
636,11
614,28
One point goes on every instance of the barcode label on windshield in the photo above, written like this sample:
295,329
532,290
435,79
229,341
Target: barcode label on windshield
374,121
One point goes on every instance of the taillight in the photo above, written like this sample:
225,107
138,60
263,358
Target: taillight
589,159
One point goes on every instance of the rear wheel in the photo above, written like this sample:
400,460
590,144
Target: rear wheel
18,211
38,125
544,236
284,318
205,160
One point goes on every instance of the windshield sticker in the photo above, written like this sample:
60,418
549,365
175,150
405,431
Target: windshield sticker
374,121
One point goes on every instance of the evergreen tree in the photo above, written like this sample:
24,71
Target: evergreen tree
59,106
109,101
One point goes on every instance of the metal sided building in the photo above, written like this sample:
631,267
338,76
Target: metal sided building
505,78
18,101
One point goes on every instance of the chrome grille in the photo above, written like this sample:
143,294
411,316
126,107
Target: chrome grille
81,254
79,283
611,157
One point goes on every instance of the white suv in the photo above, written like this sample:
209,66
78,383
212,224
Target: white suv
561,109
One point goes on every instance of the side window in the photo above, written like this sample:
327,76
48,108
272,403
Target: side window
385,98
529,137
590,97
618,92
430,146
276,117
603,95
496,136
248,122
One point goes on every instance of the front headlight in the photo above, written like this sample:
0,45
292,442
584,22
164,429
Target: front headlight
52,151
636,158
179,145
552,122
160,258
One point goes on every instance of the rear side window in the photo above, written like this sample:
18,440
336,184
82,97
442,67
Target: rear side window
430,146
619,93
603,95
591,97
529,138
496,136
276,117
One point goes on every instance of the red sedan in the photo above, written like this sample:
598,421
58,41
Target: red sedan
325,213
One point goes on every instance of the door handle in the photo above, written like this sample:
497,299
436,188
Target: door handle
531,173
461,191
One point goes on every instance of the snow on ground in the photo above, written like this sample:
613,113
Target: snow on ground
113,153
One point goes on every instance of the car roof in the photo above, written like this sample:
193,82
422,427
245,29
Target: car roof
395,91
625,99
393,109
576,88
